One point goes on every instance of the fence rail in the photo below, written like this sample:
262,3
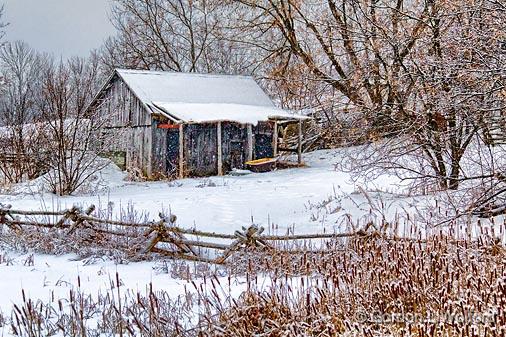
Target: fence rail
164,237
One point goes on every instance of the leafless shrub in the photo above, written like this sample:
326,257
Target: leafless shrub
184,270
85,242
46,128
72,134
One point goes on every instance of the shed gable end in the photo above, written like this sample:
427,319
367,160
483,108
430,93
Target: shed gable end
119,105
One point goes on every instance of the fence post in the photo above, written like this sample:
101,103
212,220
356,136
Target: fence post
249,237
4,213
174,237
75,216
153,239
66,216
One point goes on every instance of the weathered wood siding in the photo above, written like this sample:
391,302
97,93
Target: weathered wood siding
128,125
133,131
200,149
159,163
121,107
234,146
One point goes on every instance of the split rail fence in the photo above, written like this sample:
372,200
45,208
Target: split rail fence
162,237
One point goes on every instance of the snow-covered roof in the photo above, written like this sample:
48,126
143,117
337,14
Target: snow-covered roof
172,87
194,98
213,112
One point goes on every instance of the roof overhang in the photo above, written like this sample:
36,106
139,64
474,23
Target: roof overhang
216,112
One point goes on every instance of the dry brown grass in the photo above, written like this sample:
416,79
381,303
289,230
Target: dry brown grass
368,286
85,241
378,287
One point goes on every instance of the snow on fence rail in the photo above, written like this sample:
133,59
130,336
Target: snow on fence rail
163,237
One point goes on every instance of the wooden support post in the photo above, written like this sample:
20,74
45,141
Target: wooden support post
153,239
220,154
299,148
66,216
181,151
78,221
275,139
249,131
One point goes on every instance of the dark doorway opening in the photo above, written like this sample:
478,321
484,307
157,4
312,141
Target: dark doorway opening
236,154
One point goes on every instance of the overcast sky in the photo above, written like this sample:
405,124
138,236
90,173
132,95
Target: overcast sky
60,27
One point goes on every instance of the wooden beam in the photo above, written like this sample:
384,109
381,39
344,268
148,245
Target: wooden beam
249,131
285,149
275,139
167,126
220,154
181,151
299,147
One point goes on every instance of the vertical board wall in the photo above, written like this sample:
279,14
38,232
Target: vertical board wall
127,124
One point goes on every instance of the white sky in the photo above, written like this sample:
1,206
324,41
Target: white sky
61,27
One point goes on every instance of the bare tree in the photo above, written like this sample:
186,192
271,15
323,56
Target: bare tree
20,68
176,35
358,47
486,55
414,72
455,98
72,134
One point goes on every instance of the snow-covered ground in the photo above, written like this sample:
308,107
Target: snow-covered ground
293,198
312,199
52,277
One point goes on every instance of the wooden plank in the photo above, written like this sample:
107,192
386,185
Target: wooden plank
201,233
153,239
310,236
234,146
181,151
160,149
284,149
79,221
148,151
201,149
275,139
192,243
299,147
167,126
220,152
249,135
34,213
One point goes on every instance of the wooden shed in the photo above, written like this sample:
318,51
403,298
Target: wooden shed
181,124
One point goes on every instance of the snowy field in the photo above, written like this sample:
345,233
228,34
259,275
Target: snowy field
286,198
313,199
